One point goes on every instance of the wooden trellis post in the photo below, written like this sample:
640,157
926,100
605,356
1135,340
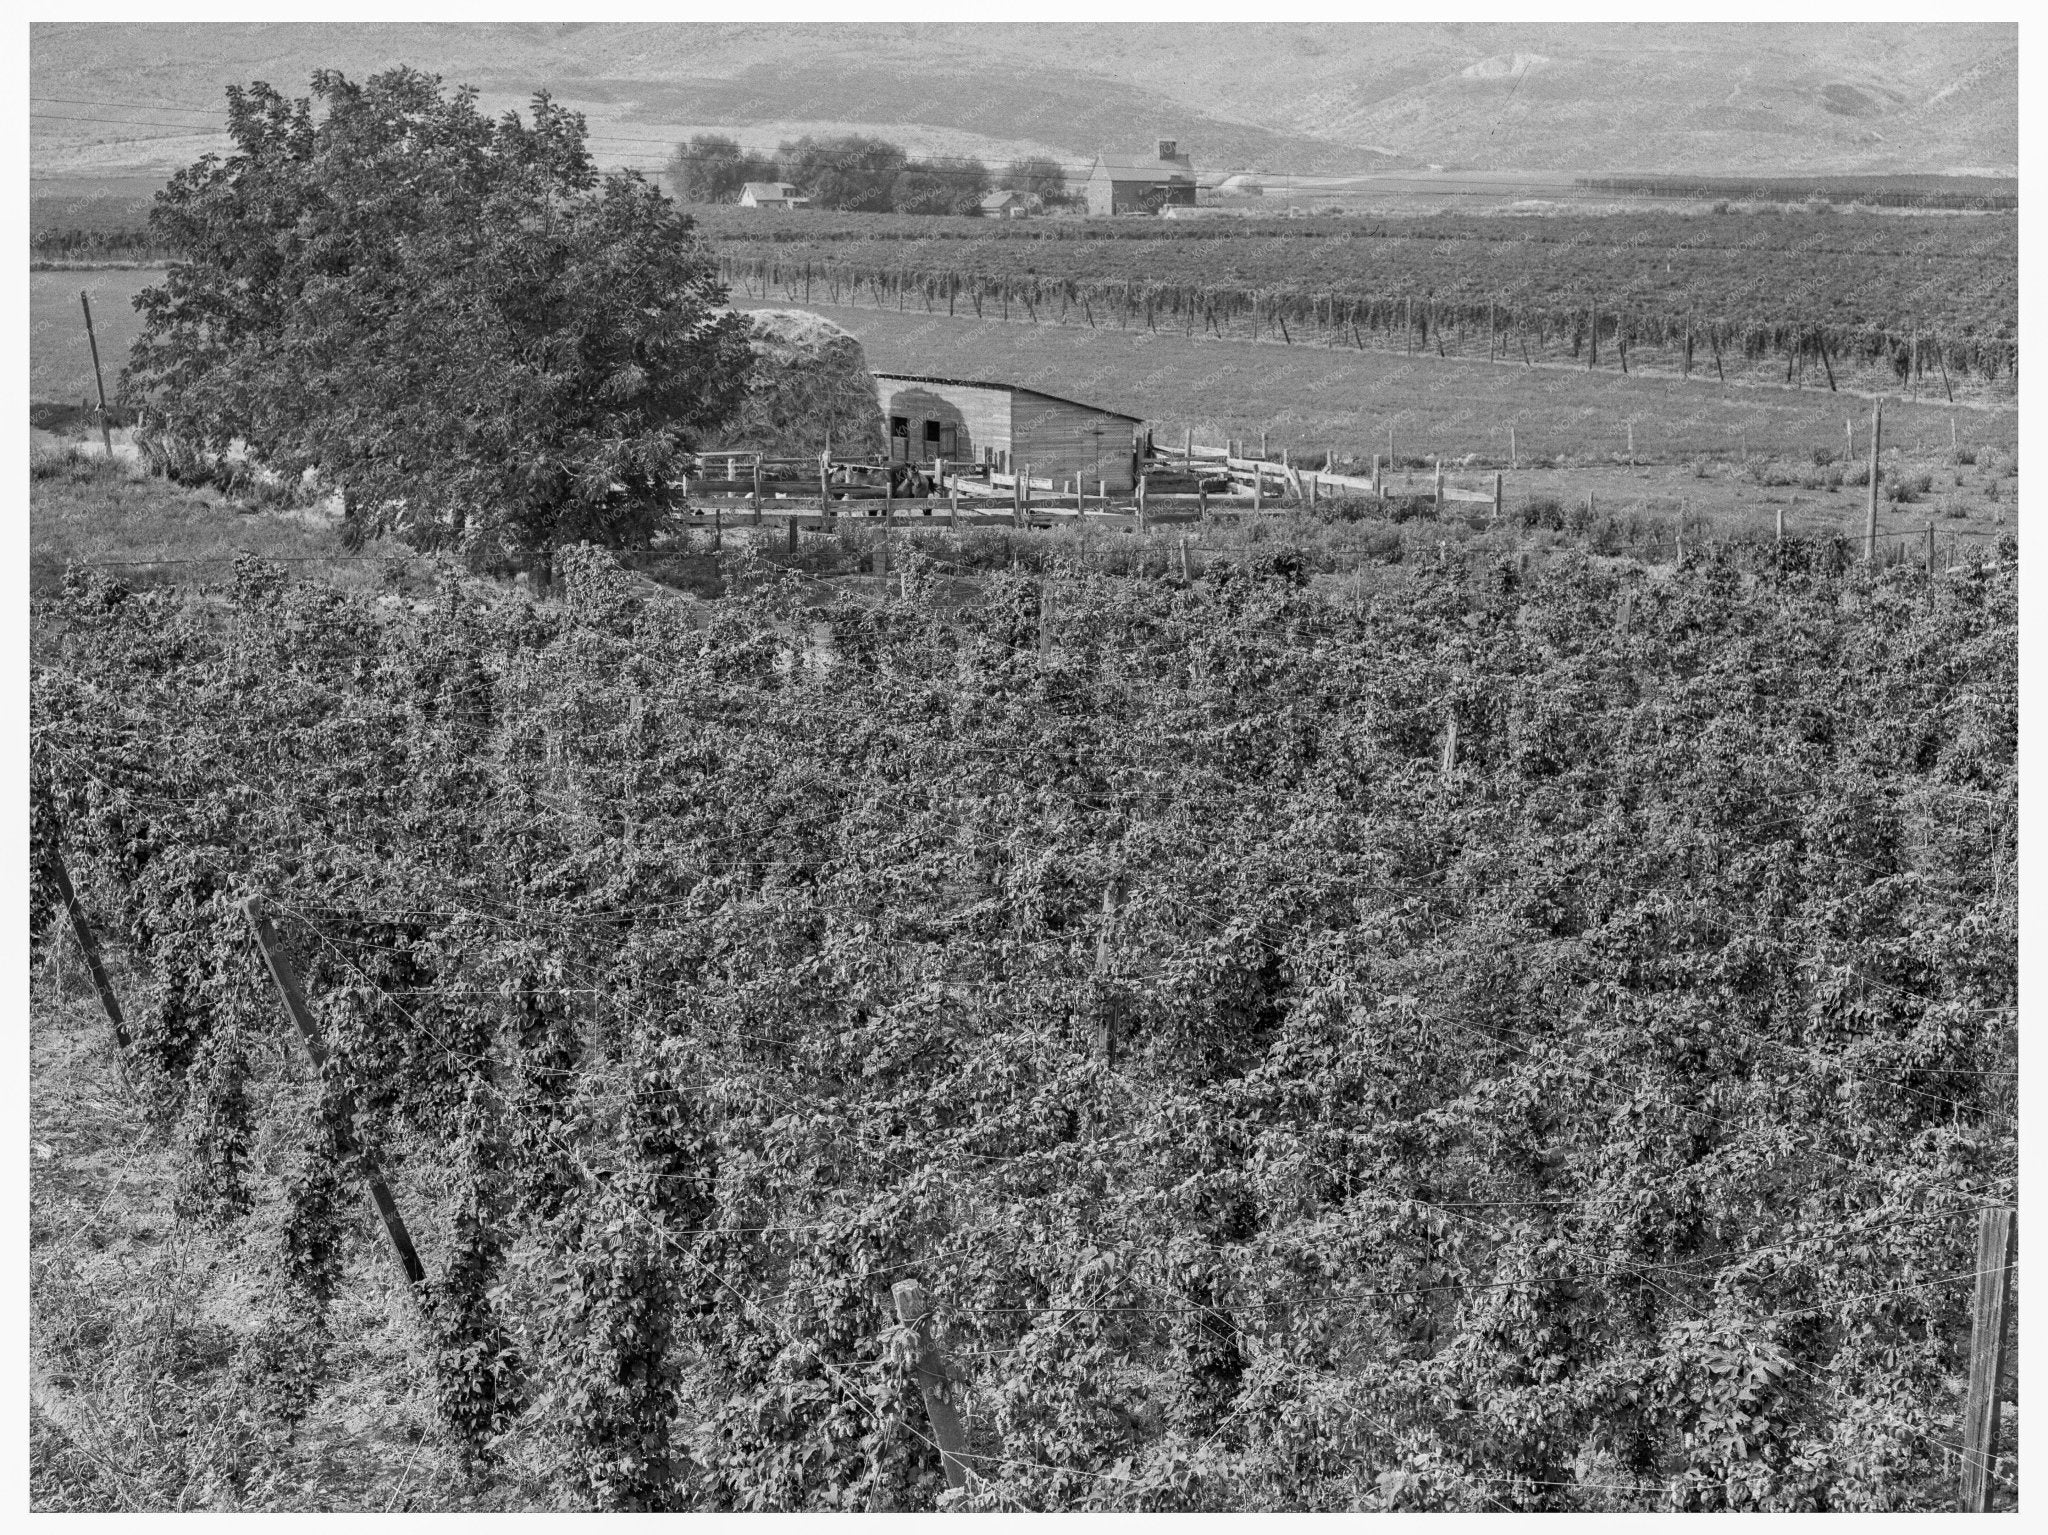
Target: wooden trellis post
287,981
60,880
1990,1318
935,1376
1870,523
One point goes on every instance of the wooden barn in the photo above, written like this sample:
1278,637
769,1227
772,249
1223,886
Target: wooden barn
967,421
1135,184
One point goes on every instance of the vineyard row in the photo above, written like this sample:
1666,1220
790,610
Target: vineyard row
1821,355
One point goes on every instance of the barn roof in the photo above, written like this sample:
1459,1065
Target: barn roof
1145,168
758,189
999,199
979,383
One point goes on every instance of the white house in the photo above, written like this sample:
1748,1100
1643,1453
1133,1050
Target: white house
770,194
1005,205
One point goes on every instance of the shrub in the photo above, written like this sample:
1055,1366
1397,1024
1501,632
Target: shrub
471,337
1543,512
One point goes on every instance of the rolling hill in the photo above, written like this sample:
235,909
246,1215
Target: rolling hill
1315,99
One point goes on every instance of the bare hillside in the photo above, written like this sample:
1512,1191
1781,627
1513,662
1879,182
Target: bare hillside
1320,98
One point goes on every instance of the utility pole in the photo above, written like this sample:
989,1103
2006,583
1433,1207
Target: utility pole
106,432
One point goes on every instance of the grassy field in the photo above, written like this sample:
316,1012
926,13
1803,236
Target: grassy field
1310,399
59,363
151,532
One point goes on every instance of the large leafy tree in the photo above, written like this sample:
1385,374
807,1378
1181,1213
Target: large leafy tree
712,168
853,171
464,329
1041,177
943,184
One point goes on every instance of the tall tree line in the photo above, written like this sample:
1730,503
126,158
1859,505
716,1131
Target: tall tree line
861,173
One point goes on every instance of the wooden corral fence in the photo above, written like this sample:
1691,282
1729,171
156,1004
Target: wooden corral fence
733,488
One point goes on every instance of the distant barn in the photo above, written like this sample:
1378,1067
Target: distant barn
966,421
1135,184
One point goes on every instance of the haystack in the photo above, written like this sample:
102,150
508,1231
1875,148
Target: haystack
810,378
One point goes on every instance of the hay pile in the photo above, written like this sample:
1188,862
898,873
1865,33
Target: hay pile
810,377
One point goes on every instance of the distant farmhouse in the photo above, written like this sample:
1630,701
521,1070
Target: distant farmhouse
966,421
1135,184
770,194
1005,205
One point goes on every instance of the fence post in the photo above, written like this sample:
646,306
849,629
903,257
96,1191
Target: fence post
1496,495
1449,761
1184,557
1870,522
1106,1021
1439,487
1201,500
825,483
913,1309
1512,464
757,490
60,878
1259,486
1781,524
106,433
1189,453
1990,1315
287,981
1142,528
